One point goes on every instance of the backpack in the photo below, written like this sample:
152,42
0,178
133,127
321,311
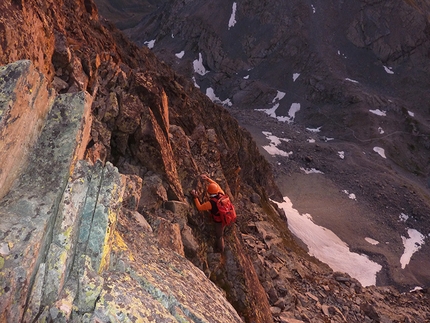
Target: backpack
225,210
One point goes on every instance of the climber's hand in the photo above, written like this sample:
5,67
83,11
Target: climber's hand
194,193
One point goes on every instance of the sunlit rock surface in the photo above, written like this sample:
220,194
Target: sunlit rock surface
117,256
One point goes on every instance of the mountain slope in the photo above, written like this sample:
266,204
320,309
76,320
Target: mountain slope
357,72
147,243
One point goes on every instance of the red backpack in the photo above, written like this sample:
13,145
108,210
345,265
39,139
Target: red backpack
225,209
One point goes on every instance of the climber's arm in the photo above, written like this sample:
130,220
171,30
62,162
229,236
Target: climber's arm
206,206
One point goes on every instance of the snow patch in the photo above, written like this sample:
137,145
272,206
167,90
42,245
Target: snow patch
380,130
351,80
341,154
412,245
295,107
210,93
279,96
403,217
389,70
411,113
311,171
415,289
380,151
295,76
378,112
198,66
272,148
150,44
328,247
314,129
180,54
371,241
195,82
341,54
350,195
232,20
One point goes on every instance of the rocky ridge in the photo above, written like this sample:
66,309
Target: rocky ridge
356,74
160,133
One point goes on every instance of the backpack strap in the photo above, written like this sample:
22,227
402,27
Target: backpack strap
214,210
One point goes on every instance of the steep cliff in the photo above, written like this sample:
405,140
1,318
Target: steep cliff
348,77
97,225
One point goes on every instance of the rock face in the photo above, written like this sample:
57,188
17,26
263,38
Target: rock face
97,225
19,128
63,257
344,77
337,62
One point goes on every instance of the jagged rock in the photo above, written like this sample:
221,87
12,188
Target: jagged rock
73,259
91,285
153,193
22,87
140,220
191,245
169,236
31,214
286,318
269,233
181,209
166,279
132,192
60,254
255,198
62,55
59,85
128,275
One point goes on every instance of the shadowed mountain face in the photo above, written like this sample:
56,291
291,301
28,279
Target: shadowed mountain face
348,57
358,71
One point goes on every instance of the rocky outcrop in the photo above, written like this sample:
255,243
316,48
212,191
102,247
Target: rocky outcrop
20,129
63,257
98,225
346,58
356,72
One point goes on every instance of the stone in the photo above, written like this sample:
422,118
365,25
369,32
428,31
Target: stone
275,310
132,192
135,278
140,220
153,193
105,217
36,297
4,249
269,233
169,236
181,209
24,105
90,286
255,198
59,85
61,252
191,245
285,317
28,212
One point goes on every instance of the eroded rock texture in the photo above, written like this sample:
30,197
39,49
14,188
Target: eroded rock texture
98,225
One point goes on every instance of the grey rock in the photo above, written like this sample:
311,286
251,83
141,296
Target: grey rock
24,105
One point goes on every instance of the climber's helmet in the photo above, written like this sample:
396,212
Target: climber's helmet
213,189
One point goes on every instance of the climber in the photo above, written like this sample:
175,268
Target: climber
214,191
